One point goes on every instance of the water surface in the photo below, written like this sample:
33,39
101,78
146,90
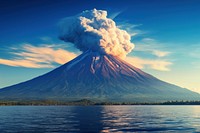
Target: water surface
41,119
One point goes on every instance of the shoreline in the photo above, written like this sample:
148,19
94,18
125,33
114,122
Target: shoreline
85,102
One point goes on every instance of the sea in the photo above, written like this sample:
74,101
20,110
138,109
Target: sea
100,119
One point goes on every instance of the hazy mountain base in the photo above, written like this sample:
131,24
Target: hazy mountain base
117,98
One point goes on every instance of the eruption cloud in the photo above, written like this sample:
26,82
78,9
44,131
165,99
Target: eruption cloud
92,30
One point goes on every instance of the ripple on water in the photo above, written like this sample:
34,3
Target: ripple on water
99,119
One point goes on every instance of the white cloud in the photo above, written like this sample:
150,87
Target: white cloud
38,56
46,39
132,29
115,14
150,45
160,65
160,53
25,63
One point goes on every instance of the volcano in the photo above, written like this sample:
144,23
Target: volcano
97,77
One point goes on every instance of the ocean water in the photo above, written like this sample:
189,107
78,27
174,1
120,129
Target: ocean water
89,119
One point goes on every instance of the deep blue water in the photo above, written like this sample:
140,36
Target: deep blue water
25,119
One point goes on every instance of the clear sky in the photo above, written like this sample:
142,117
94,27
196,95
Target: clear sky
166,34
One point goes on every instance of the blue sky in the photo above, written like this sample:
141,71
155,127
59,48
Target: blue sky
165,33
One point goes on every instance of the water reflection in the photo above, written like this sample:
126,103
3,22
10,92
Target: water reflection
151,118
90,118
99,119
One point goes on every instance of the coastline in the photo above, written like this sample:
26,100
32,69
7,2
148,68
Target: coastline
86,102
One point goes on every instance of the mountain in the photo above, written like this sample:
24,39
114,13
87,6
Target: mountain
97,77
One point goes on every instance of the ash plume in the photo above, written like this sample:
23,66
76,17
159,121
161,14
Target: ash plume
92,30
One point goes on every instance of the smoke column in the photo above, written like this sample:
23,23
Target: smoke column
92,30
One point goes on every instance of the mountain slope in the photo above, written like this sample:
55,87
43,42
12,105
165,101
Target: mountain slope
97,77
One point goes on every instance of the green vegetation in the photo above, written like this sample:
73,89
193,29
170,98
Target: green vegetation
85,102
